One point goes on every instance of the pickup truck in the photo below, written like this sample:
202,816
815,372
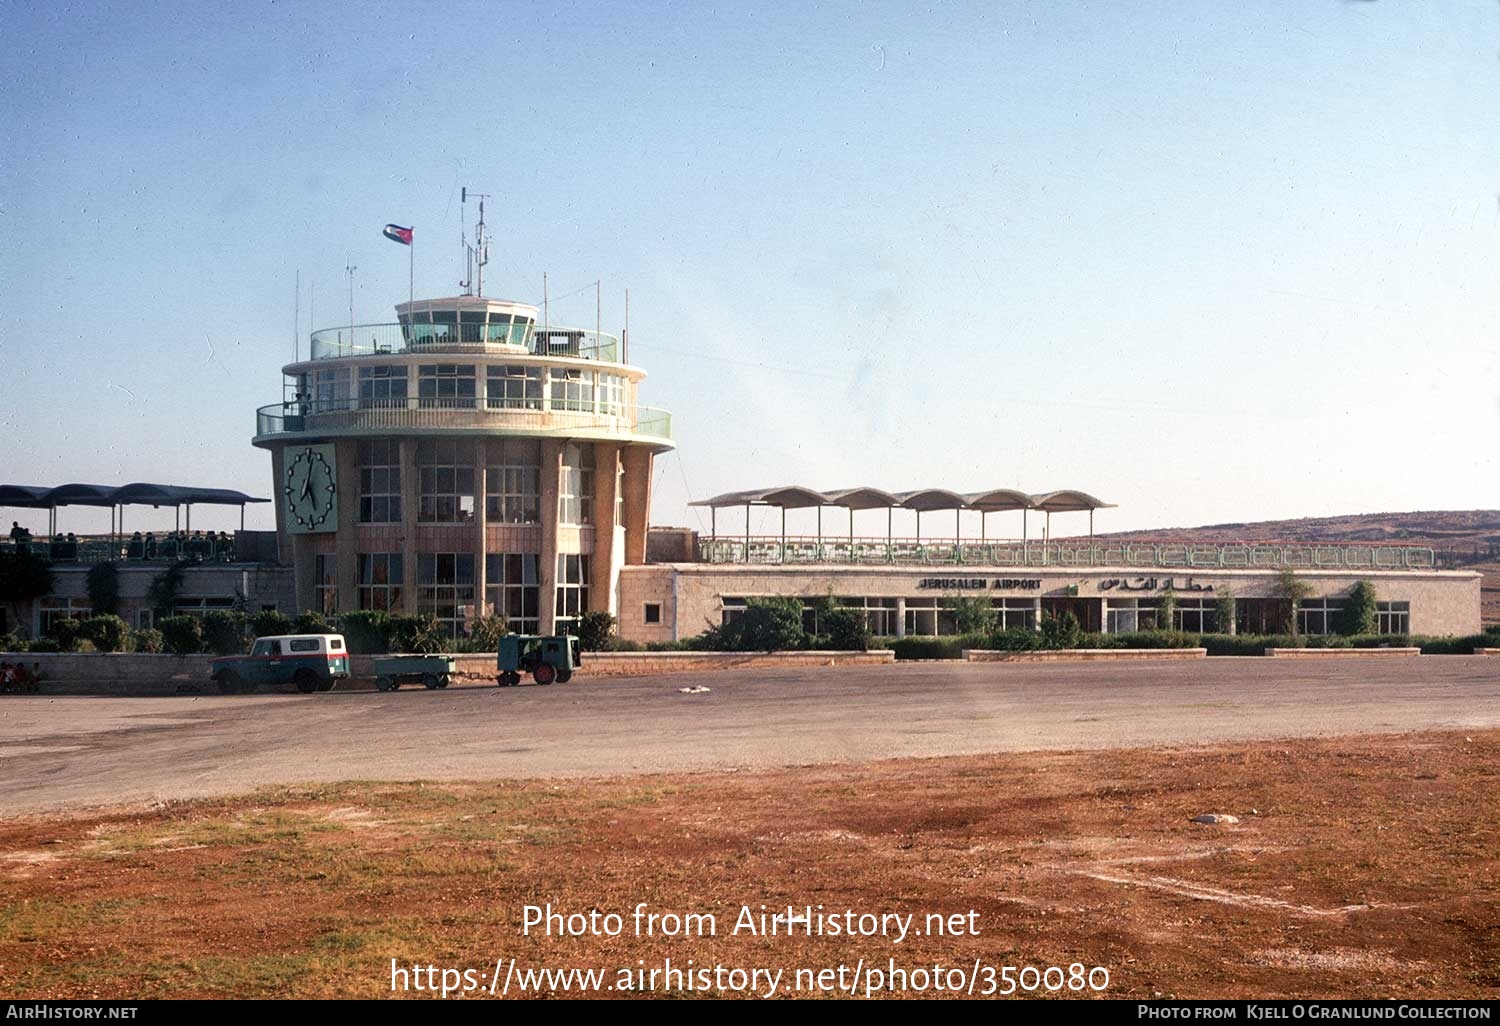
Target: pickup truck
312,662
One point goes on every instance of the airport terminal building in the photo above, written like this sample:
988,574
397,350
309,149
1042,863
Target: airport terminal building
471,459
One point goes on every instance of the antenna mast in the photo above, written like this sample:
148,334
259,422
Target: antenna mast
477,254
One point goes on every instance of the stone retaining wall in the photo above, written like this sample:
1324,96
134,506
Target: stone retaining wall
1330,653
990,655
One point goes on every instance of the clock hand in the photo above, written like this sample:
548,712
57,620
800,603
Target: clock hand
306,487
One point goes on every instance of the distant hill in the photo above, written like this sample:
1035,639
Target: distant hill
1461,538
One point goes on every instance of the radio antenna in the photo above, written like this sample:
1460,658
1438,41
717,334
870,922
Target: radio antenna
477,254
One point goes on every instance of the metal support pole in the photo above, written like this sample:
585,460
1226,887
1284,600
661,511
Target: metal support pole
783,534
713,523
747,532
890,545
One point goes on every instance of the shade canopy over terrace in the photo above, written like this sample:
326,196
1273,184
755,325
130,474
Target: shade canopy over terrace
923,500
139,493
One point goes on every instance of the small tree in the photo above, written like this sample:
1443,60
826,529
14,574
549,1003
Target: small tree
269,623
312,622
106,632
971,615
847,629
419,634
23,578
1289,591
162,592
594,630
1060,631
1224,610
1359,610
366,631
103,584
485,633
1166,609
224,632
771,625
182,635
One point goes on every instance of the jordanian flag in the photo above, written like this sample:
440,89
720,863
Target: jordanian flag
396,233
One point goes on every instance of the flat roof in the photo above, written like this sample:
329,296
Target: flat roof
138,493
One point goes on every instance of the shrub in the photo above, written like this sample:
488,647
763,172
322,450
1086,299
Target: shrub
1014,639
484,634
270,622
1060,631
103,584
367,631
1289,591
106,632
44,645
1445,646
847,629
1153,639
182,635
419,634
771,625
1224,609
670,646
148,640
595,628
311,622
1359,610
23,577
918,647
224,632
623,645
64,631
11,643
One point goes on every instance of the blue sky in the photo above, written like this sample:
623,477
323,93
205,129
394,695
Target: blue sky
1212,262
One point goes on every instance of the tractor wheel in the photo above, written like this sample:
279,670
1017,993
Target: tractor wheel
563,676
430,681
382,683
306,681
509,679
545,673
444,681
229,683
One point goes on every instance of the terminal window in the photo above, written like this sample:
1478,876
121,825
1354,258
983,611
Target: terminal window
445,588
379,481
653,612
572,590
445,386
572,389
445,468
1393,617
1319,616
575,500
380,580
512,589
382,387
515,388
513,481
325,584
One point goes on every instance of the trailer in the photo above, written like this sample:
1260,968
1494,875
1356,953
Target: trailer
431,671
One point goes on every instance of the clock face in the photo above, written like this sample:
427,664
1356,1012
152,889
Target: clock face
310,488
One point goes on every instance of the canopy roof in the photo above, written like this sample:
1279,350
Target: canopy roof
139,493
924,499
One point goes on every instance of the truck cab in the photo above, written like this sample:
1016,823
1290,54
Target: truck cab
310,662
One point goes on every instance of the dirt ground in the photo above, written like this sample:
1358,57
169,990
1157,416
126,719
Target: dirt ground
1361,866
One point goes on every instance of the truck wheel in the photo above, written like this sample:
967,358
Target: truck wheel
563,676
382,683
229,683
306,681
508,679
545,673
430,681
444,681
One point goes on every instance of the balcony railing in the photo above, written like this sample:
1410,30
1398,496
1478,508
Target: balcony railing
539,416
378,339
971,552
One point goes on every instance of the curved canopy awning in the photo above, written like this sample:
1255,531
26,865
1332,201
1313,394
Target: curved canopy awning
861,498
785,496
81,495
1068,501
139,493
926,500
24,496
998,500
